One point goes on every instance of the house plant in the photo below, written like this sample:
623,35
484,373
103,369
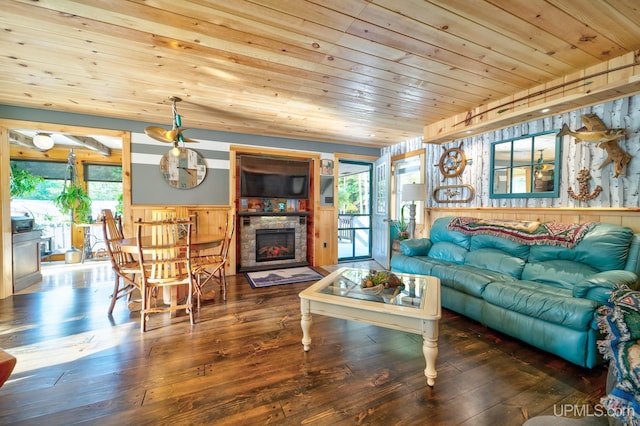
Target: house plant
75,201
22,182
402,225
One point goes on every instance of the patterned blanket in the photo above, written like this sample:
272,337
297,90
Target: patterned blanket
619,321
523,232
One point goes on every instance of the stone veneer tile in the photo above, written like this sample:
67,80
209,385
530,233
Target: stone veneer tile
248,238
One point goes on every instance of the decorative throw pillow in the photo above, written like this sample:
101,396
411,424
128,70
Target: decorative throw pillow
619,320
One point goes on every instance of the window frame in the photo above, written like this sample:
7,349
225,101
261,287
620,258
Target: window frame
529,165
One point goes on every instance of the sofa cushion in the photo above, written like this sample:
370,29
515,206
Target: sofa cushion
602,238
448,251
467,279
440,233
502,244
559,273
421,265
415,247
544,302
599,286
495,260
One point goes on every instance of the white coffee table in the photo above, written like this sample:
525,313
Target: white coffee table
415,309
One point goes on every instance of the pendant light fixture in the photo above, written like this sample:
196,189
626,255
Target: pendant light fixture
43,141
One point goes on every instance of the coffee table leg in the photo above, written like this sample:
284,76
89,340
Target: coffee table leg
305,322
430,349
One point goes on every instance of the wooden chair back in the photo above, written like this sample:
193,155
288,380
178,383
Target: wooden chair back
231,226
165,260
123,264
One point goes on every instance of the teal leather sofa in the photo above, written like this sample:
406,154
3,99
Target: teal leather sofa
544,294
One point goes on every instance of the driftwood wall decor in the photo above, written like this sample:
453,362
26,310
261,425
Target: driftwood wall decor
594,130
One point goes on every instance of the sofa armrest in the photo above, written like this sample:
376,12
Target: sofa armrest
415,247
599,286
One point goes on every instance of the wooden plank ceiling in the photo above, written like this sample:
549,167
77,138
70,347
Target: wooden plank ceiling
372,72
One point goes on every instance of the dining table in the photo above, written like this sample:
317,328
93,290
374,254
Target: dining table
199,243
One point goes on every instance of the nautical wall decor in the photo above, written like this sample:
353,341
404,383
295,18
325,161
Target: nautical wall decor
452,162
594,130
453,194
583,195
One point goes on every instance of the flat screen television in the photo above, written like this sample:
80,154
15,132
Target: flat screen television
272,177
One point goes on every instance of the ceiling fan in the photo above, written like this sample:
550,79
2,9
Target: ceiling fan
173,135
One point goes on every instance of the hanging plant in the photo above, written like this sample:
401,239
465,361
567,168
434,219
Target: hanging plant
22,182
74,201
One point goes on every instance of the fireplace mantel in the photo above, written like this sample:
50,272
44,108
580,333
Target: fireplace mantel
273,214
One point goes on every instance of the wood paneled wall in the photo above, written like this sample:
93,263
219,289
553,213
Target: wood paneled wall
624,217
326,236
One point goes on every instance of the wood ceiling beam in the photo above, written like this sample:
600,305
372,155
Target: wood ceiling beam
86,141
91,144
22,140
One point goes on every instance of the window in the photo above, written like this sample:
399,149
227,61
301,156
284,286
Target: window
526,167
104,187
408,170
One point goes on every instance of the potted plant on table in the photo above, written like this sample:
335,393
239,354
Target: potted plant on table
402,226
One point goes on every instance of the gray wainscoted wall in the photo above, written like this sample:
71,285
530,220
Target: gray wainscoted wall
618,192
148,187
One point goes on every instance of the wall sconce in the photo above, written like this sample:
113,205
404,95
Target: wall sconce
43,141
413,192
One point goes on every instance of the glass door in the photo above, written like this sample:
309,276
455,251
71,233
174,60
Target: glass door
354,210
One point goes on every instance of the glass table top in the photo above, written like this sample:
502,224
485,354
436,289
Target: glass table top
348,284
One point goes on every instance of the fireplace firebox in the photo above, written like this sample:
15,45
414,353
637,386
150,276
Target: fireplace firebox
275,244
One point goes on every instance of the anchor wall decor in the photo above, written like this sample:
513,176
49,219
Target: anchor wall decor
583,178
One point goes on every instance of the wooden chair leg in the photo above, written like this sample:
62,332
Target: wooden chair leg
190,308
143,309
222,279
199,290
114,296
223,285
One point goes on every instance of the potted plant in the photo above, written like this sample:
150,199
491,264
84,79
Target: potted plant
402,225
75,201
22,182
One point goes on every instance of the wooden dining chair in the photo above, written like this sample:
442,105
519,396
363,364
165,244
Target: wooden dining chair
207,267
126,269
163,214
165,262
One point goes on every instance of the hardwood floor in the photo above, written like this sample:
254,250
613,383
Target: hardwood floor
243,364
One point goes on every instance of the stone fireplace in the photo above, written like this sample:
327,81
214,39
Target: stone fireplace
270,241
275,244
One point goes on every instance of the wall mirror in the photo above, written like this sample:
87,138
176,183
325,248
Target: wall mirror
526,167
